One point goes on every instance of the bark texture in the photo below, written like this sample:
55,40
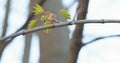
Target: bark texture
76,41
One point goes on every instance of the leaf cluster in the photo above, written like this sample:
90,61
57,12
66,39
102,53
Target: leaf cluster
46,16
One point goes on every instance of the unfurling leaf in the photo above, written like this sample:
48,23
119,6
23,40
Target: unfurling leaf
32,24
65,13
38,9
43,18
48,29
48,17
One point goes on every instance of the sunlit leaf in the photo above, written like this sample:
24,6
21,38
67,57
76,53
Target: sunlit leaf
65,13
38,9
32,24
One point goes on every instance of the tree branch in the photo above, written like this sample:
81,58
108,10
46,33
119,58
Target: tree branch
99,38
61,24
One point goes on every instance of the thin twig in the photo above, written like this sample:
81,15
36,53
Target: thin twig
99,38
61,24
5,25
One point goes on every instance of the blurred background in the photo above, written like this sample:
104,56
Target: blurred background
14,13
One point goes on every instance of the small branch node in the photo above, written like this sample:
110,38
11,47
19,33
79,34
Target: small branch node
102,21
53,25
23,32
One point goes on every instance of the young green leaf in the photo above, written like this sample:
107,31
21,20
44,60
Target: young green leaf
32,24
48,29
65,13
48,17
38,9
43,18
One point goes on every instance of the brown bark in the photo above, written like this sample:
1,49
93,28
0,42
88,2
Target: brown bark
2,47
76,41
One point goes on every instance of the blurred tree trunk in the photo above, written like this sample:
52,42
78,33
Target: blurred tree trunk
57,44
54,46
26,55
28,38
5,24
76,41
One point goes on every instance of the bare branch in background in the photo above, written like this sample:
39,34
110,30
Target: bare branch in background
6,19
61,24
5,24
27,47
100,38
76,41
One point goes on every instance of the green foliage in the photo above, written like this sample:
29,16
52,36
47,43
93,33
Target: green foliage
32,24
65,13
47,17
38,9
48,29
